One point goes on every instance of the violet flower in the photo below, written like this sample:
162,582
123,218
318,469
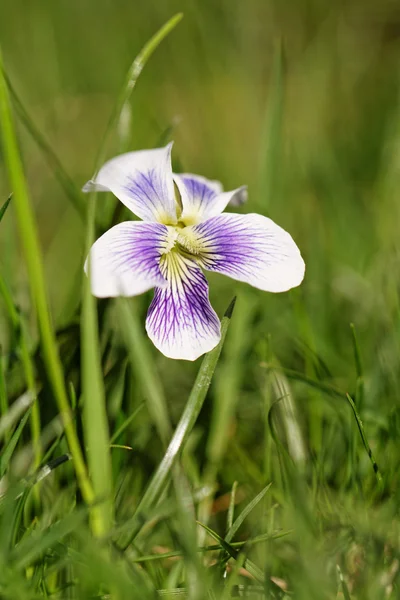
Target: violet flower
179,236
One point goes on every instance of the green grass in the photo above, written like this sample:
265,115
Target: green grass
268,469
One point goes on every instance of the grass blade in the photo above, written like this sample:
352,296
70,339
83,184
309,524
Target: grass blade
245,513
65,181
247,564
15,411
5,206
8,451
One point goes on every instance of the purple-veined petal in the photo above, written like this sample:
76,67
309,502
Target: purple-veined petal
203,199
181,321
125,261
142,181
249,248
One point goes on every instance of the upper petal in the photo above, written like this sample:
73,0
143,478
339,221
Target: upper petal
142,181
125,261
181,321
250,248
203,199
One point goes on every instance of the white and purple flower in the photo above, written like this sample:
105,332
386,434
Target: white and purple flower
179,235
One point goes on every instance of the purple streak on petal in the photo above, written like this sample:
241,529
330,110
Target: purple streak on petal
200,190
250,248
146,189
181,322
142,181
125,261
203,199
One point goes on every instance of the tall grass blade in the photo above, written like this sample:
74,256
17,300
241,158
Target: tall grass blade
30,242
131,79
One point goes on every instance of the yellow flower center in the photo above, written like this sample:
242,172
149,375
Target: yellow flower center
182,239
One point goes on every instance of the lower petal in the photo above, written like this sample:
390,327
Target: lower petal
249,248
181,322
125,261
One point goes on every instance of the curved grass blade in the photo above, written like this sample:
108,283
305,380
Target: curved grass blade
185,426
15,411
131,79
65,181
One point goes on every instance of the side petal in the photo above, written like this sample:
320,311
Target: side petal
249,248
181,322
203,199
142,181
125,261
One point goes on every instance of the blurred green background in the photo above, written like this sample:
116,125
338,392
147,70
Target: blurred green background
298,99
316,140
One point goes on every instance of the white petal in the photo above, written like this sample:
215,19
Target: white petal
249,248
203,199
142,181
181,321
125,261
